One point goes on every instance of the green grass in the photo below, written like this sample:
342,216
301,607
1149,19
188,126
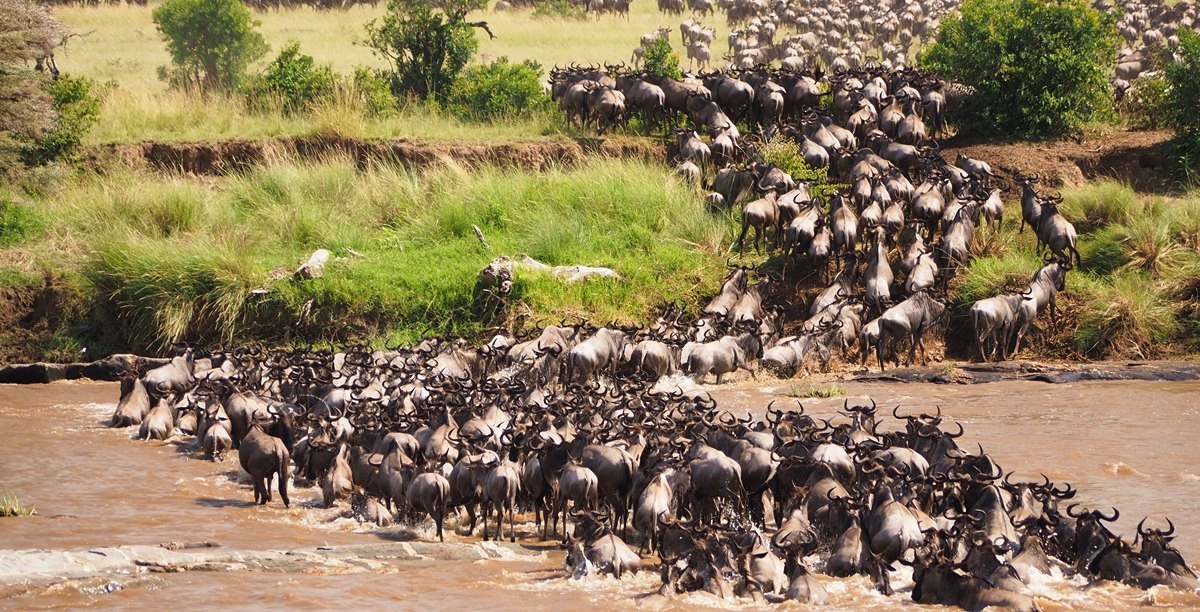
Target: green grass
10,506
1099,204
173,258
1127,316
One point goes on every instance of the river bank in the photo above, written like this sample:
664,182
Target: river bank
158,243
944,372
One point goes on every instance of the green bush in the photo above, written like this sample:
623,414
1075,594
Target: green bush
428,44
1183,98
559,9
1039,68
785,154
660,59
294,78
500,89
211,42
375,92
1145,105
77,107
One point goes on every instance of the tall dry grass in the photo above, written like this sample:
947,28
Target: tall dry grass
121,47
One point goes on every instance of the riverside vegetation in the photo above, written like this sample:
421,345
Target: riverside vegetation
135,259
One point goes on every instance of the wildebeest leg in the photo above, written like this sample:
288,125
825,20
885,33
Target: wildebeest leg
486,508
919,339
512,529
438,517
283,494
879,344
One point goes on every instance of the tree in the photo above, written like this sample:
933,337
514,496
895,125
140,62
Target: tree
1039,68
28,34
428,41
660,59
76,110
211,42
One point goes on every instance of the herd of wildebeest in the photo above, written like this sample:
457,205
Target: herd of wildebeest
605,458
588,428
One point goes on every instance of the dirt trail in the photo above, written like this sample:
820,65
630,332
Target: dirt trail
1138,158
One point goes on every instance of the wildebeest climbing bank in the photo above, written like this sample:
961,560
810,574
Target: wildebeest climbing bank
616,303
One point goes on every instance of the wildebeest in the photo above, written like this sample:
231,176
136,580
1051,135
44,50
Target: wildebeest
265,452
909,319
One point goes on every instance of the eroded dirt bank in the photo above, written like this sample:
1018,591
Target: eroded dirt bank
1138,158
222,157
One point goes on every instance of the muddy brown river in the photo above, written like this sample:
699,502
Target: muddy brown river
1128,444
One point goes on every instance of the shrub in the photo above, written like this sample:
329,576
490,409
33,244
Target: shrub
1183,98
211,42
660,59
1039,68
427,43
559,9
785,154
77,109
294,78
1145,105
28,33
500,89
374,91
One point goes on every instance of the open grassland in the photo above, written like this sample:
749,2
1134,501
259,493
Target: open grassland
120,45
1136,293
157,259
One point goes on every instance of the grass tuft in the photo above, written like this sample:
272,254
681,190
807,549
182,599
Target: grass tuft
1096,205
988,276
1129,316
1150,245
811,389
10,506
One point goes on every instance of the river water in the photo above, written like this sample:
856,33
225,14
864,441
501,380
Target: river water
1127,444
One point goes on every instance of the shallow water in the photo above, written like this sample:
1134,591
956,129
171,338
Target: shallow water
1126,444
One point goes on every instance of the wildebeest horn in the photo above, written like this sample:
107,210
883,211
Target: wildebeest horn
1071,511
957,435
1115,515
